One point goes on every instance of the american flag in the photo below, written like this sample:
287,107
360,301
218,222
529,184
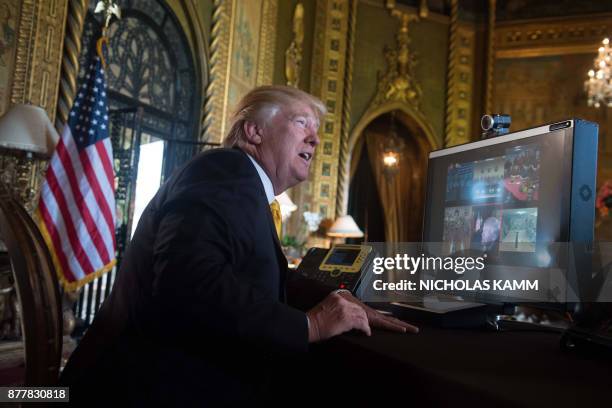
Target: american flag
76,211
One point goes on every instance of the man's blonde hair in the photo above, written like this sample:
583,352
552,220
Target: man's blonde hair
261,103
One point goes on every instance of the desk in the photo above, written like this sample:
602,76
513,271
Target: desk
442,367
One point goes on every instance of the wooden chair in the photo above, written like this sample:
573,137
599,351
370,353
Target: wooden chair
38,291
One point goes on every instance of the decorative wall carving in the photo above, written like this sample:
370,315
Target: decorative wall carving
460,79
267,42
293,54
328,83
77,10
37,61
343,157
569,35
219,51
490,57
242,56
22,174
399,82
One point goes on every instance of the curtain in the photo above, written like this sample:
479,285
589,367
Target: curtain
401,194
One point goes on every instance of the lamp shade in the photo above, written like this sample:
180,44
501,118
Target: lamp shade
28,128
345,227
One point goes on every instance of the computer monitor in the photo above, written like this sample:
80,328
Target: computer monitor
518,198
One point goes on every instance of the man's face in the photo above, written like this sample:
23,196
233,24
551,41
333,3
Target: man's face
289,139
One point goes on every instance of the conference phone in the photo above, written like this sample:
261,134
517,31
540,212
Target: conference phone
343,266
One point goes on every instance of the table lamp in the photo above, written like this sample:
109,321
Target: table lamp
27,128
25,132
344,227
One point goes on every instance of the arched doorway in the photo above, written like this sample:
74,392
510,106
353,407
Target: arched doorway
154,95
389,206
150,66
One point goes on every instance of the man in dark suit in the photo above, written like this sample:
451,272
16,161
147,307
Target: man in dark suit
198,314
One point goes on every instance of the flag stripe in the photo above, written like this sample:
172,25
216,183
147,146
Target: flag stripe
56,240
106,187
105,226
103,153
78,205
57,221
90,174
108,165
101,223
73,236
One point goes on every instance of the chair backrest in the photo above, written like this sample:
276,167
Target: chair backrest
37,289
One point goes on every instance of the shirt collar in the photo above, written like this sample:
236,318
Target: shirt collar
265,180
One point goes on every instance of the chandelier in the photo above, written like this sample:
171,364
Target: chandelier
599,84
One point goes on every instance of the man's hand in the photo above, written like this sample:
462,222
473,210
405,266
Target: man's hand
335,315
340,312
379,320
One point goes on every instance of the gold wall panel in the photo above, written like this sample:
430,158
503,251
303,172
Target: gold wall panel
39,43
535,38
242,57
328,82
460,80
490,56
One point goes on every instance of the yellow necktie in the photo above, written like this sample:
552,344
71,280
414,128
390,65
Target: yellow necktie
276,216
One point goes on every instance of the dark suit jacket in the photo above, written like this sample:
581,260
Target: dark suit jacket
197,314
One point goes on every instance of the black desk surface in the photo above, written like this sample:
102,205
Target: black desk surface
460,367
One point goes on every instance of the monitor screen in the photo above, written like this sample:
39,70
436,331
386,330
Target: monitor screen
507,197
502,199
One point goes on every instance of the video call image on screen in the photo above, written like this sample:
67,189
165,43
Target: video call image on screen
492,204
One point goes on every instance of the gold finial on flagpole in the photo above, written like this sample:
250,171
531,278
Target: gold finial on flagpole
109,9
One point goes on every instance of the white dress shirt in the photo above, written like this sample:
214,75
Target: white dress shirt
265,180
